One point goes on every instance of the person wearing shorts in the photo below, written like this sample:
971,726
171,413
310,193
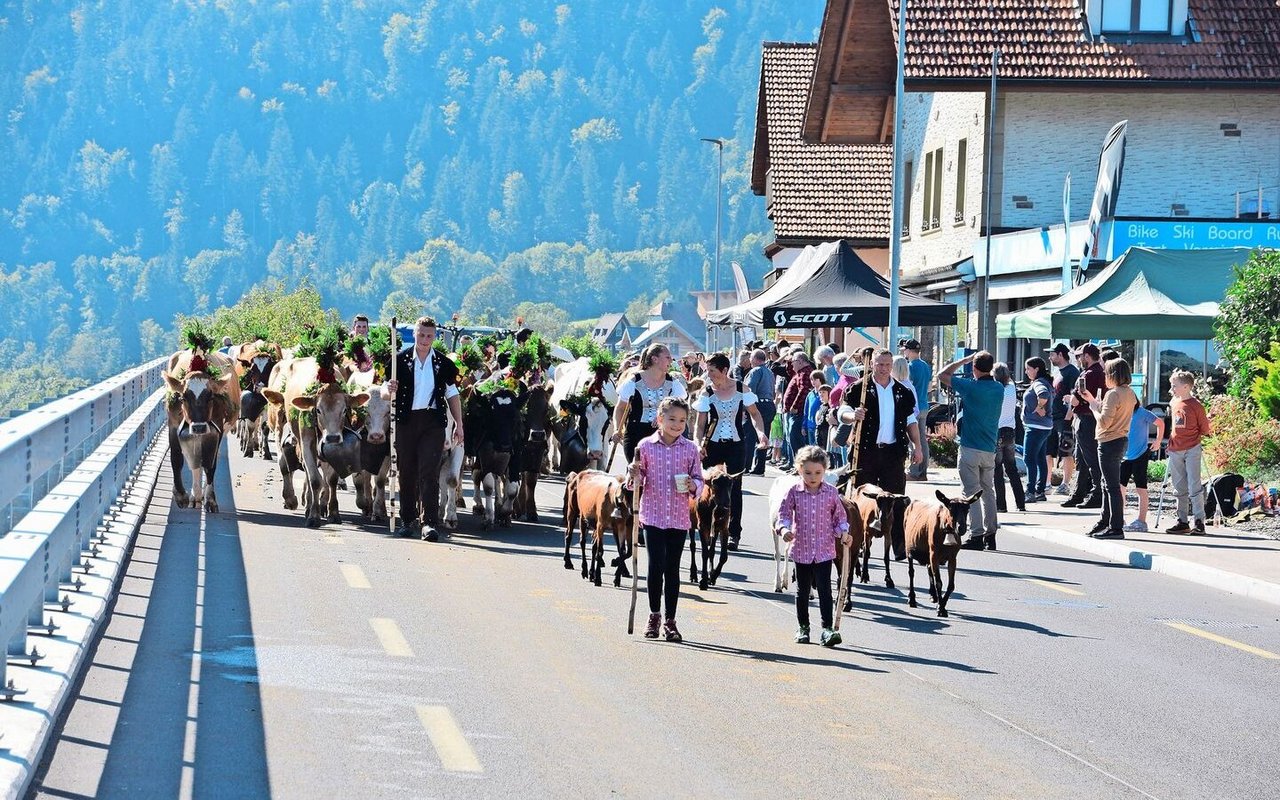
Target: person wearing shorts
1136,459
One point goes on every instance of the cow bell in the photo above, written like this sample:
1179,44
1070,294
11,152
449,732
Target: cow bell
344,457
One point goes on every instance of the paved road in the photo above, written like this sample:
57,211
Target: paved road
250,656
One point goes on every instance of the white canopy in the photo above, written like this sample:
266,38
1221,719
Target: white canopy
751,313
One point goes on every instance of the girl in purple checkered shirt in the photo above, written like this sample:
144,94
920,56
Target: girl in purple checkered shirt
813,519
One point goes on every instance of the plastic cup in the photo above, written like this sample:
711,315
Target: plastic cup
682,483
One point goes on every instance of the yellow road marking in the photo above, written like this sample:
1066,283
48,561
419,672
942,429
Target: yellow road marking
451,746
1213,637
392,639
1055,587
355,576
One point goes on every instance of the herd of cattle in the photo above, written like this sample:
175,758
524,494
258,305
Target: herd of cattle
340,428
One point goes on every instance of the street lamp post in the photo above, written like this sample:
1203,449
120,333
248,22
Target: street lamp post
719,143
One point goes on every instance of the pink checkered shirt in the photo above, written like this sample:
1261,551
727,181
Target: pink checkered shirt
660,506
817,519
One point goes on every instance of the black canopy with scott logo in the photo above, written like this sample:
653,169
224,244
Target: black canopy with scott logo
829,286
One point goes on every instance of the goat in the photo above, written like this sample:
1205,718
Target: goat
933,533
594,498
877,512
711,512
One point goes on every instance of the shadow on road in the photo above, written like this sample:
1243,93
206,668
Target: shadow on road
774,657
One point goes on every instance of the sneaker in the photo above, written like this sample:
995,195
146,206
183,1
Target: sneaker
1061,490
1181,527
1107,534
802,634
1072,501
830,637
651,631
671,632
429,534
1091,502
733,542
990,541
1198,530
1137,526
1098,527
974,542
1040,497
1031,498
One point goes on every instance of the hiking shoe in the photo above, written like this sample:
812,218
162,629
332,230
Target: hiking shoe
1198,530
651,631
671,632
1137,526
830,637
802,634
1181,527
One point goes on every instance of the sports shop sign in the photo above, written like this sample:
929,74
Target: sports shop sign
1198,235
807,318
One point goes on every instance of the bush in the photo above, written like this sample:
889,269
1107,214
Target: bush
268,310
1249,318
944,448
582,346
1266,386
1156,470
1241,442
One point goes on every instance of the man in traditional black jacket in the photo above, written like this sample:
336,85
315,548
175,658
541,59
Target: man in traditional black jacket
426,385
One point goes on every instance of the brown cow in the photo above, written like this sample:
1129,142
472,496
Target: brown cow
933,533
317,418
203,400
253,362
597,499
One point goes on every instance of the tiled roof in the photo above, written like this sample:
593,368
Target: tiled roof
607,323
1238,41
818,191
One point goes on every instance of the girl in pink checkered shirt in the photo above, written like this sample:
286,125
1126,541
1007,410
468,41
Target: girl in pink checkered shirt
664,509
813,519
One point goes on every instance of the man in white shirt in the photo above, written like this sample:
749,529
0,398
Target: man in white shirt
427,385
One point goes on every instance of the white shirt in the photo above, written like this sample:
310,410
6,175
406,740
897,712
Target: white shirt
649,398
884,396
424,383
726,413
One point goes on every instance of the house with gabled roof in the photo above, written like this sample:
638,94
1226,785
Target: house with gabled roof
610,330
1197,80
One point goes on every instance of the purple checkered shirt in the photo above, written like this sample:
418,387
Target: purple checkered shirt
660,505
817,519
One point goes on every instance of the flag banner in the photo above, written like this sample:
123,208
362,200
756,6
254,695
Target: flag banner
1106,193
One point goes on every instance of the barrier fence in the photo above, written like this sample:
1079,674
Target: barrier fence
63,467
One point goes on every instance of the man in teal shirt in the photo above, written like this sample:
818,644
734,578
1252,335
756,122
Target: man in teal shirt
982,398
921,374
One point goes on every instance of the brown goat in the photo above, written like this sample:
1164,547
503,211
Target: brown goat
597,499
933,533
711,515
878,511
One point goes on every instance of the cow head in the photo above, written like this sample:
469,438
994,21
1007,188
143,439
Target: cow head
378,420
331,407
503,412
888,506
196,402
256,362
953,529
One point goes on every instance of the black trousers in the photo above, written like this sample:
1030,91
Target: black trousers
1110,454
756,458
813,576
733,455
1007,464
665,545
1087,466
419,447
633,435
886,467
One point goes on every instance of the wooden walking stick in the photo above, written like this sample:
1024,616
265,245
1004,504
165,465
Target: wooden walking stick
393,474
846,575
608,466
635,557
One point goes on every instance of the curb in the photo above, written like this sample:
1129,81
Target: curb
29,725
1212,577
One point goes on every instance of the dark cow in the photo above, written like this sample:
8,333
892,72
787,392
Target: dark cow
253,363
202,401
597,501
571,443
711,512
496,417
530,451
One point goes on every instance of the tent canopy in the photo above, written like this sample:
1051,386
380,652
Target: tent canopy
1144,294
829,286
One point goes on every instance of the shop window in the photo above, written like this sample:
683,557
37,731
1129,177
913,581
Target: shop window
1186,354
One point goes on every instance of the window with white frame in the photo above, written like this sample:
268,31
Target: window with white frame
1139,16
932,216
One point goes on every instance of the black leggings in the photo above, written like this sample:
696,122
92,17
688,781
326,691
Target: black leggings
811,575
665,546
733,455
633,435
1110,454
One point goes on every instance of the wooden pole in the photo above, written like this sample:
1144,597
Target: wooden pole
608,466
393,474
635,557
845,575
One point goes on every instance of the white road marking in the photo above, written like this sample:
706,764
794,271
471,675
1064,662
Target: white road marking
451,745
393,641
355,576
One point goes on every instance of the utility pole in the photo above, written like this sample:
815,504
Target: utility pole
895,213
719,143
984,340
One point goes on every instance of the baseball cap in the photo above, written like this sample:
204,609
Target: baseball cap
911,344
1061,349
1089,349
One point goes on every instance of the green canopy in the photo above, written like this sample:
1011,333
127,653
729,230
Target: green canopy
1143,294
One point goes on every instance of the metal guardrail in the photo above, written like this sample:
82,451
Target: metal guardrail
62,467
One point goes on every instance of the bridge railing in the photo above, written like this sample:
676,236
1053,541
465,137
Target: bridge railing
62,466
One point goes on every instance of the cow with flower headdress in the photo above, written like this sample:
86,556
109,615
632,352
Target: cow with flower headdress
312,390
202,401
253,362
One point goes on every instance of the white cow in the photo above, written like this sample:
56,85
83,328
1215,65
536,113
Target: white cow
450,477
375,450
781,565
572,382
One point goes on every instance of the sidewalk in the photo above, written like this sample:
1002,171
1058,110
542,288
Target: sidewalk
1226,559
